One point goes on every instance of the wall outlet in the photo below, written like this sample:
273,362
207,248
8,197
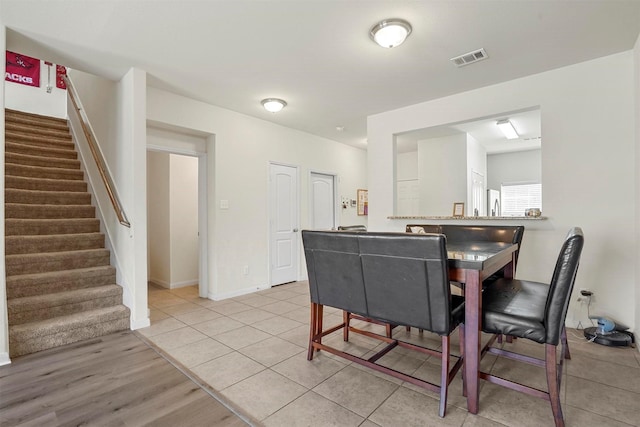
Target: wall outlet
245,270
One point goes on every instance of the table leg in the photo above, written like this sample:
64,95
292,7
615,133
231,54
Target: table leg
472,325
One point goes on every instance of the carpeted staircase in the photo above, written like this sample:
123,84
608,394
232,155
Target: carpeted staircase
60,285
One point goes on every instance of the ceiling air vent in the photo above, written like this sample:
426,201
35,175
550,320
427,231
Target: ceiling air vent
470,58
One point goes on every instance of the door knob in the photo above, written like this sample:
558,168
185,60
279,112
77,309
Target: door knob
295,230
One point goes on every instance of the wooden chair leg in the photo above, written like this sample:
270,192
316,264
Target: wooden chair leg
407,328
461,334
346,318
389,329
312,329
320,309
553,382
444,375
565,344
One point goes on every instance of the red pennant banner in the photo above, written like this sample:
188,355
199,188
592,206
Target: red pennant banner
22,69
61,72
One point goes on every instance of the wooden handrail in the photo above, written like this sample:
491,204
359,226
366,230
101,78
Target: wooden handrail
97,157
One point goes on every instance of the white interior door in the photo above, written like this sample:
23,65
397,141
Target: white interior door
323,201
283,223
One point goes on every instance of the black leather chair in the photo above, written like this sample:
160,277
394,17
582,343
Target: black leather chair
535,311
393,278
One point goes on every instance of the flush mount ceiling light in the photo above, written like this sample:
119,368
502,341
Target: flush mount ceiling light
390,32
507,129
273,105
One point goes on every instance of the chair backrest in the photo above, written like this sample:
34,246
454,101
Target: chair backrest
423,228
352,228
485,233
561,286
393,277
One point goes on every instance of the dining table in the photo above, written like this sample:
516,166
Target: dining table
471,262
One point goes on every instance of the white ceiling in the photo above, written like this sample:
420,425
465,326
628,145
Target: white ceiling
485,131
316,54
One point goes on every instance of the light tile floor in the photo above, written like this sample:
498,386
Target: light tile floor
252,351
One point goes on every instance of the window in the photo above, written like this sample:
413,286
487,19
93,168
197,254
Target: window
518,197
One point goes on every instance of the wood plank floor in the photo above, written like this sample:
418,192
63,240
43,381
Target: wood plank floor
116,380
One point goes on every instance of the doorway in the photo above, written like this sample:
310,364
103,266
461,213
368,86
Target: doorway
190,167
284,243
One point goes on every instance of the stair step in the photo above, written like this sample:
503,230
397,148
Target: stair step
36,197
47,306
26,285
55,261
20,210
17,138
16,115
37,130
50,162
29,227
51,141
36,150
60,285
43,184
52,243
37,336
13,169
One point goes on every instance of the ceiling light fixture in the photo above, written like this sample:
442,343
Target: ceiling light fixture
390,32
507,129
273,105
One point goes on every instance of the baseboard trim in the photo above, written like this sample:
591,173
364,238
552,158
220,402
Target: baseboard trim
4,359
245,291
174,285
139,324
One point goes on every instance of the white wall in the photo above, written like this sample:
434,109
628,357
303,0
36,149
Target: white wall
476,161
117,112
442,160
36,99
172,219
407,166
239,157
521,166
183,193
158,218
4,323
588,161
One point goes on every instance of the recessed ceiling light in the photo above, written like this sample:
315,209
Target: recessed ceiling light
390,32
273,105
340,128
